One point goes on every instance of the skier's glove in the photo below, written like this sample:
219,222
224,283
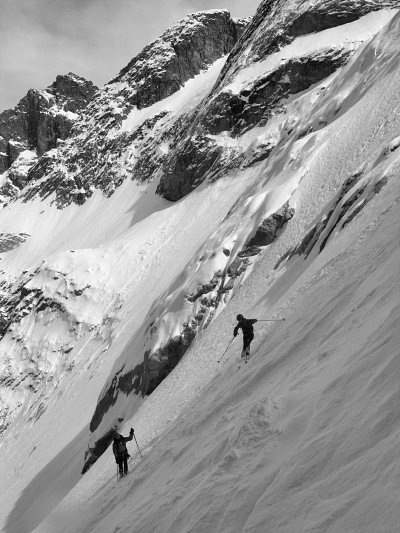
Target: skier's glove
132,431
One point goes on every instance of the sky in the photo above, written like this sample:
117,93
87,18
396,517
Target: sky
40,39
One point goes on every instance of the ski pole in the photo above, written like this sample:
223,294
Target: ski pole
272,320
226,349
134,436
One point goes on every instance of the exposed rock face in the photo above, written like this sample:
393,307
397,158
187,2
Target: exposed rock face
267,232
178,55
94,452
146,376
10,241
104,138
72,92
43,117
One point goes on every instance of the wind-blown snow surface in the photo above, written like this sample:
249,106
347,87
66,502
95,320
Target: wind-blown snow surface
305,437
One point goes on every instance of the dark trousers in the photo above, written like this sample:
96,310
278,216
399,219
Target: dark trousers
246,346
122,461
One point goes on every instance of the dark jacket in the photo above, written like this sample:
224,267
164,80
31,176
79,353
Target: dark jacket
246,325
119,446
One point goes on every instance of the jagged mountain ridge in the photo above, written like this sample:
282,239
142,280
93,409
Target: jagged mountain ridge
104,150
219,253
171,65
39,120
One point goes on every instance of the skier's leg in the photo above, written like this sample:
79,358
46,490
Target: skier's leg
239,359
125,464
247,356
243,354
246,348
120,465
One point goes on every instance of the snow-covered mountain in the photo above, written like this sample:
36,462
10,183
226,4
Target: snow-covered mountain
232,166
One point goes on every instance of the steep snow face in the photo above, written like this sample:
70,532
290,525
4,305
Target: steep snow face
219,266
100,302
307,432
295,435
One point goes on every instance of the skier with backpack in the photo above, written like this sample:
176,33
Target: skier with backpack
120,451
246,325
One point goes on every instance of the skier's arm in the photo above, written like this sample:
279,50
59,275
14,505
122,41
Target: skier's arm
252,320
235,331
126,439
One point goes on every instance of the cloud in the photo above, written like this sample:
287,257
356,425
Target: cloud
40,39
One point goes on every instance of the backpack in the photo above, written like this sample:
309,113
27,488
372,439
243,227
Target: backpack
119,447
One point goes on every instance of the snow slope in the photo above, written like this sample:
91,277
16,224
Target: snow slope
303,438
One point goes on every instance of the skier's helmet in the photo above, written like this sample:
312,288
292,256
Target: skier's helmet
239,317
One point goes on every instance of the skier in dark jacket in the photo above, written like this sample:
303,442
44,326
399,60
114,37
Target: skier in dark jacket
120,451
246,325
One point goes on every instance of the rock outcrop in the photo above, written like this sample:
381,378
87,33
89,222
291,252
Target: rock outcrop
42,117
348,203
179,54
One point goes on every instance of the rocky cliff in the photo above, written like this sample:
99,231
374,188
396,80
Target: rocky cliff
42,117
